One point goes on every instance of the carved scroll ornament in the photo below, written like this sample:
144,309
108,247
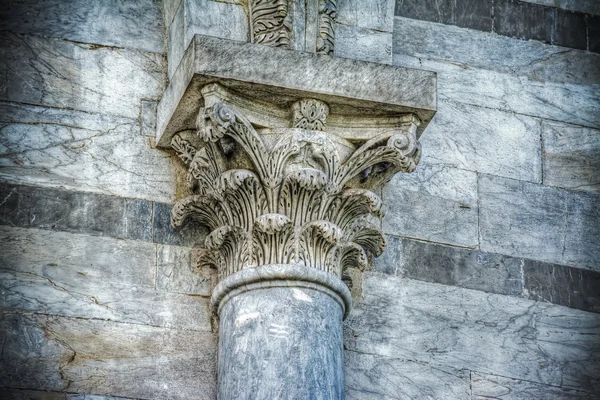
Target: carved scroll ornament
269,22
327,16
297,202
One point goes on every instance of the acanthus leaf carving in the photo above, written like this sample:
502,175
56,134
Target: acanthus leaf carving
296,200
269,22
327,17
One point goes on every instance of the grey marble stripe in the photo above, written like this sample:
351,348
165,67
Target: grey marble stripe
92,214
491,272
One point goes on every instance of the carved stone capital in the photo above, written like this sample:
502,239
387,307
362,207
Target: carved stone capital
287,195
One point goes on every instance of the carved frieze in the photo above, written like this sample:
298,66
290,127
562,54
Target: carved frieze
270,22
327,15
277,23
293,199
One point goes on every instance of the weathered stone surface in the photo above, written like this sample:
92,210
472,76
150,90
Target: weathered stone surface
523,20
584,6
434,203
571,157
474,14
169,9
20,394
106,358
76,212
558,284
534,60
570,30
148,118
542,223
373,377
110,23
59,73
204,17
467,329
219,19
81,151
593,23
176,40
274,74
573,103
484,386
472,269
90,277
190,235
178,273
429,10
484,140
370,14
363,44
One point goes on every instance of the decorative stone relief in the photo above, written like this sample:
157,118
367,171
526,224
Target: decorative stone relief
327,15
272,23
297,198
269,22
310,114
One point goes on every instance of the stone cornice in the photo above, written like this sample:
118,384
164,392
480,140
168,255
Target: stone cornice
280,77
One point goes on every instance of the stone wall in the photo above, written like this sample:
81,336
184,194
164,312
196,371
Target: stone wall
489,287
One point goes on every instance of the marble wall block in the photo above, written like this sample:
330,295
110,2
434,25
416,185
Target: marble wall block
371,14
484,386
571,157
558,284
584,6
524,20
76,212
374,377
106,358
453,266
470,49
468,329
82,151
91,277
434,203
133,25
204,17
484,140
473,14
363,44
542,223
575,103
64,74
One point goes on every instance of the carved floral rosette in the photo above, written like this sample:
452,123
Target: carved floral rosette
298,203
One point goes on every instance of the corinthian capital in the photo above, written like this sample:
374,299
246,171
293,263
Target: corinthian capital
292,195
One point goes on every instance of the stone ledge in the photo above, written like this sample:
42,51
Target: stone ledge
283,76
